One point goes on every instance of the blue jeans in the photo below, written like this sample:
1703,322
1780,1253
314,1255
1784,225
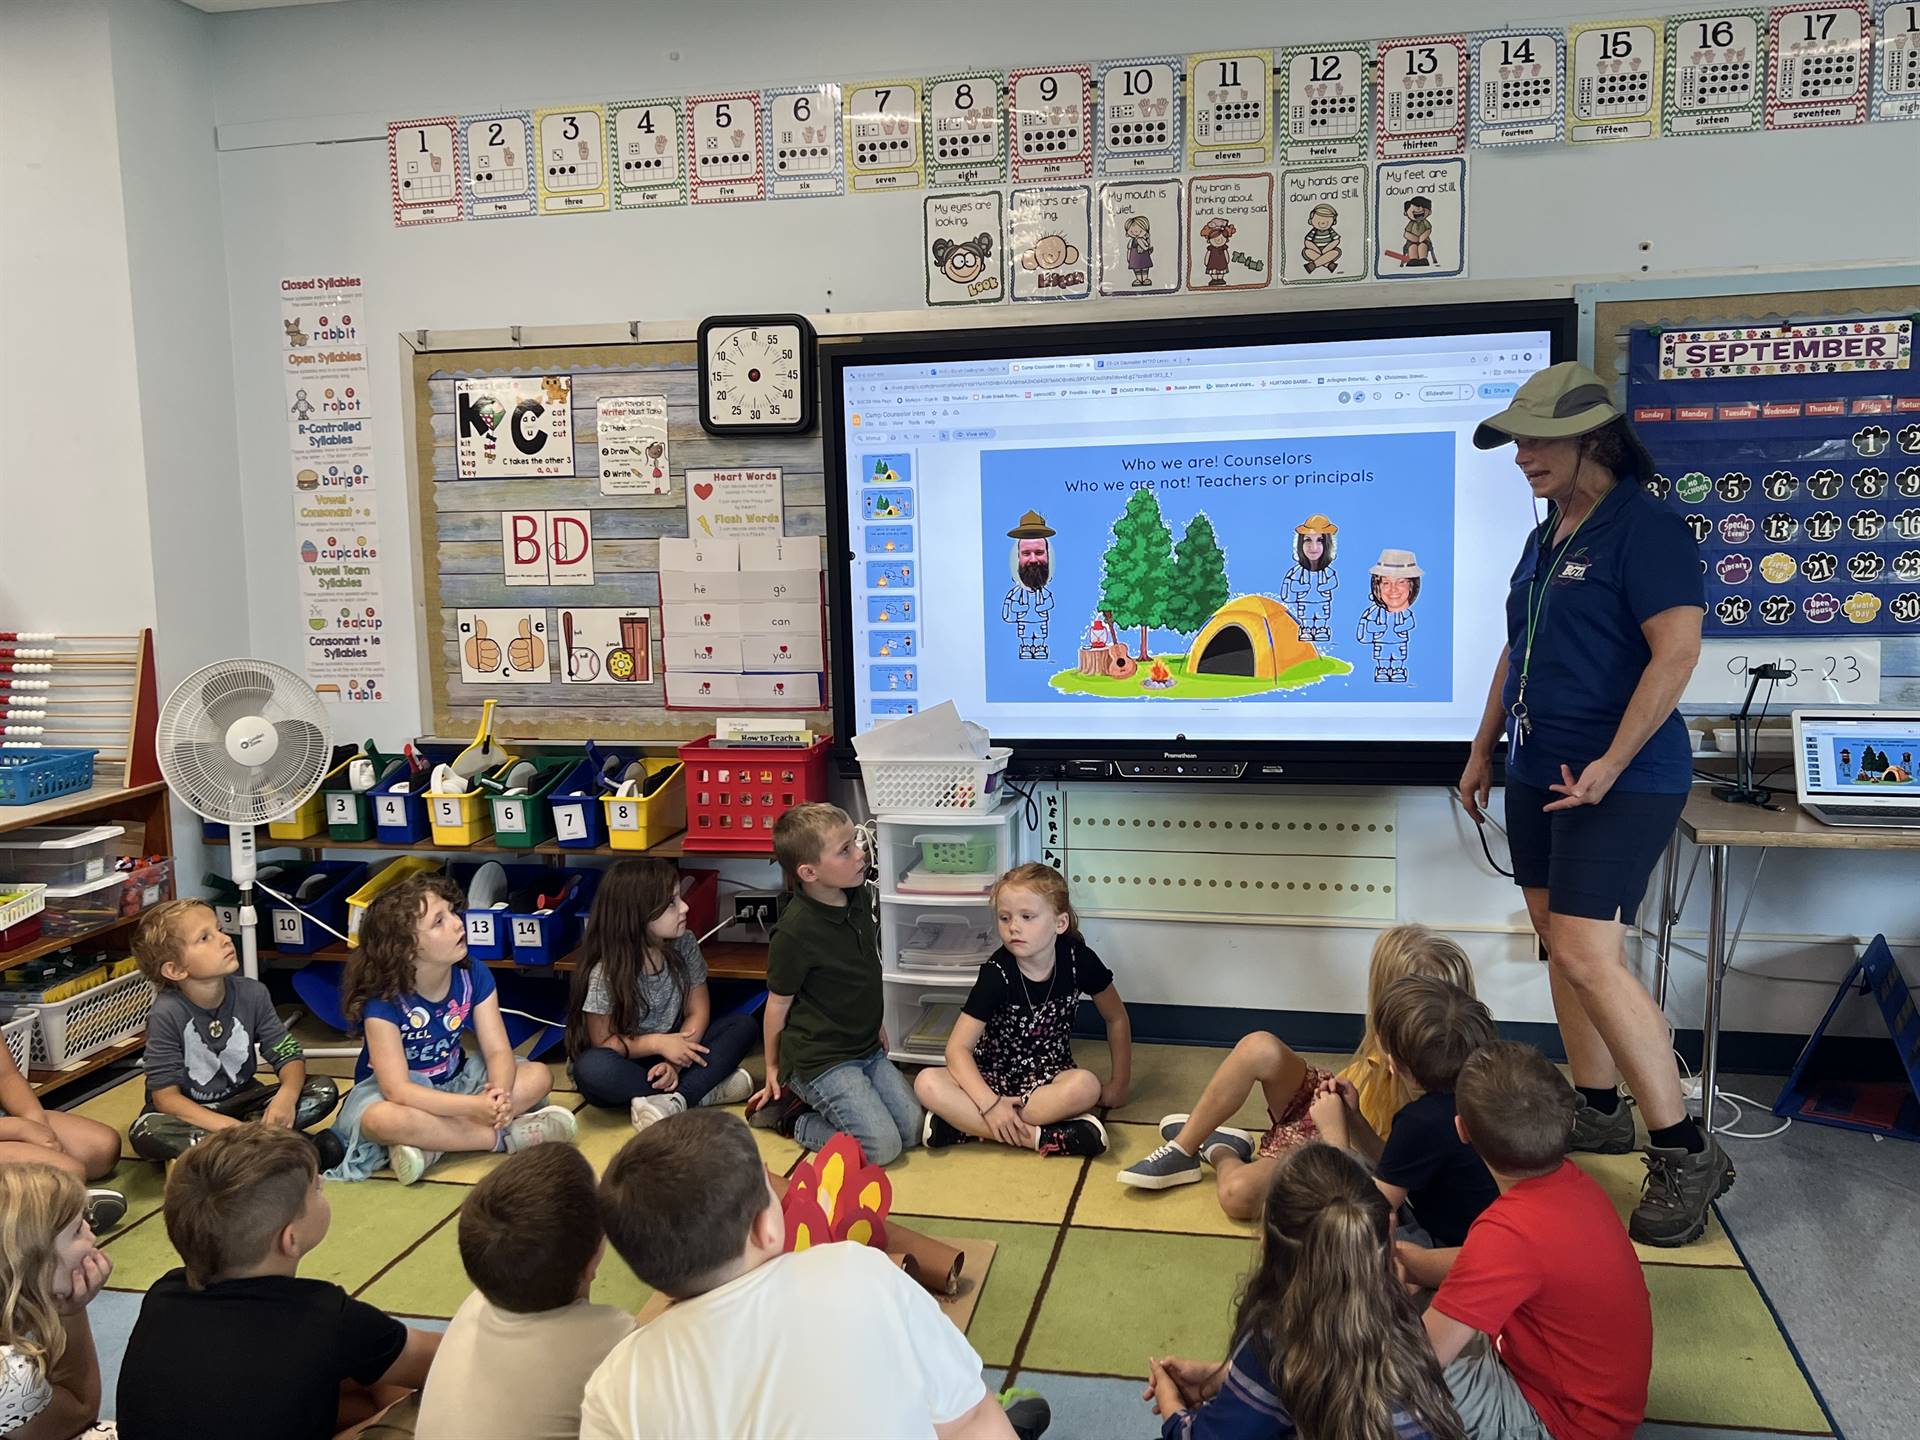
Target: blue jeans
869,1100
606,1077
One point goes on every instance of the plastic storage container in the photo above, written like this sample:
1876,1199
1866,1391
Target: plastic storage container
947,853
579,821
542,936
59,854
914,787
521,822
293,931
382,879
30,776
18,1033
488,931
639,822
71,1030
735,793
86,906
20,903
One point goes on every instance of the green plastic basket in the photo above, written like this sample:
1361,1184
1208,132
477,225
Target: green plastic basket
946,855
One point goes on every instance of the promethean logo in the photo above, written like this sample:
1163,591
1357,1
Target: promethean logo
1178,755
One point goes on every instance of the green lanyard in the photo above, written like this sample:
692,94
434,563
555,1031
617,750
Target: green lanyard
1536,606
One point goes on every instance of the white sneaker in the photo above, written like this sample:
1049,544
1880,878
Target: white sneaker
649,1110
537,1127
731,1091
410,1162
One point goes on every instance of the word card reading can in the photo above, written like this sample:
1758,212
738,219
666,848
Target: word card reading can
649,139
724,158
1896,69
966,130
1229,108
1716,72
1051,115
1138,128
803,142
499,162
1423,97
423,169
573,160
883,135
1328,108
1616,82
1519,88
1820,69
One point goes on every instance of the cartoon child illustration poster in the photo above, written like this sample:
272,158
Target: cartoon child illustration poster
1028,605
1422,224
1307,590
1388,620
1140,243
1049,235
965,245
1324,220
1230,232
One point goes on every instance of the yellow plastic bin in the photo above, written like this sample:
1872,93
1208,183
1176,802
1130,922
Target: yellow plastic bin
465,818
640,822
385,879
310,818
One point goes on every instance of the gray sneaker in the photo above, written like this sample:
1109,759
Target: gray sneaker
1239,1142
1598,1133
1677,1191
1162,1170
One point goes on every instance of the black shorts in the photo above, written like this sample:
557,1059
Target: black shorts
1592,860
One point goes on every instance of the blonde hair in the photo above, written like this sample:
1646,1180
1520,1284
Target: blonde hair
1402,951
231,1194
156,940
801,834
37,1202
1046,882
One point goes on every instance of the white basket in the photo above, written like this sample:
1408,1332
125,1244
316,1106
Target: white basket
20,1033
919,787
23,903
70,1030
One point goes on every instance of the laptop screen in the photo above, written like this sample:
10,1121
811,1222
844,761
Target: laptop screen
1860,759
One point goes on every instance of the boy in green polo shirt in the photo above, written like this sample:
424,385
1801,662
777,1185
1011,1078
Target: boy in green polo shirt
825,1039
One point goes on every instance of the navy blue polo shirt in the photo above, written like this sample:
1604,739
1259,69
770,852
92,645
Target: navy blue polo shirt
1632,559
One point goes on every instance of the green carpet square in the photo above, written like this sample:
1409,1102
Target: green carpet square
1718,1357
1119,1296
1012,1281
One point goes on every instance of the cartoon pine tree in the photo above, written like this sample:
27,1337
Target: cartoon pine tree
1136,571
1199,585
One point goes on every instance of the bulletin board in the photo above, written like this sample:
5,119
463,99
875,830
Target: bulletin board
608,684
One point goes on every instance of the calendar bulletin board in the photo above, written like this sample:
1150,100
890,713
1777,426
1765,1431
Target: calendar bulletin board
606,685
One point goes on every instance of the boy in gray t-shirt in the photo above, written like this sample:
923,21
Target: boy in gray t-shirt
201,1034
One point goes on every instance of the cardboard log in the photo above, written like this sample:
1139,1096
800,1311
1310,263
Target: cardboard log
932,1263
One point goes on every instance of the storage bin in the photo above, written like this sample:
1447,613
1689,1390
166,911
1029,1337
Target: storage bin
384,878
20,903
59,854
30,776
19,1038
87,906
540,937
144,881
18,937
948,853
458,819
579,822
521,822
349,816
915,787
735,793
701,890
292,931
69,1031
488,931
310,818
640,822
59,976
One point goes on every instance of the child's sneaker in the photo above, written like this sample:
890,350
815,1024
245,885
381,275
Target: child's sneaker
938,1134
649,1110
1082,1135
730,1091
538,1127
780,1116
329,1150
105,1209
410,1162
1162,1170
1239,1142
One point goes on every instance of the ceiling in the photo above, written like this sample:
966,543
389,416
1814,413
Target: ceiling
219,7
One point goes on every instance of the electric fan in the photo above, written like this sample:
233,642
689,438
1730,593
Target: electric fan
243,742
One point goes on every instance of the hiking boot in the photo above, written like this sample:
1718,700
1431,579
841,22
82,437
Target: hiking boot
1239,1142
938,1134
104,1209
1598,1133
647,1111
1162,1170
1082,1135
1678,1188
730,1091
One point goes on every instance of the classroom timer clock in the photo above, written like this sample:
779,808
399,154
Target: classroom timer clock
757,375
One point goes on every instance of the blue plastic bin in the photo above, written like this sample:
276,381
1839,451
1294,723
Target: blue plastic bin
488,931
541,937
292,932
30,776
579,821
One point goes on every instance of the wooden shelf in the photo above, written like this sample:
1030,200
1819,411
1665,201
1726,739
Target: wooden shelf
45,1080
726,960
64,807
61,942
672,848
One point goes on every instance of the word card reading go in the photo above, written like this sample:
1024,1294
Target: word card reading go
647,146
1820,70
1327,108
1229,108
1052,119
724,158
500,160
883,136
1616,82
1517,89
573,170
1897,62
965,130
1716,68
1423,96
1140,116
803,142
423,171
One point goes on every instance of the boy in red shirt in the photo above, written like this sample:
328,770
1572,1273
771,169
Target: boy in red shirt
1542,1319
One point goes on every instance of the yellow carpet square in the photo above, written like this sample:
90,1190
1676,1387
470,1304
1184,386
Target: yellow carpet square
117,1108
1718,1357
1168,1079
604,1131
984,1182
1620,1177
1186,1209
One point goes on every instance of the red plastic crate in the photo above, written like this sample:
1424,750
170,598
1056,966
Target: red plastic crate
736,792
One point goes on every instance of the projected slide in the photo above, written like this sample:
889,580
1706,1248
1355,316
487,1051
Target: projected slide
1258,568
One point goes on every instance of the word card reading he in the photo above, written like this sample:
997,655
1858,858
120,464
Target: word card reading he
1518,91
573,168
647,146
803,141
1139,120
1616,82
1052,123
883,136
424,172
1230,108
965,130
1897,62
499,166
1820,70
1423,97
1326,102
724,158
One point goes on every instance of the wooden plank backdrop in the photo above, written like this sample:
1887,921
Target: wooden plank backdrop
460,560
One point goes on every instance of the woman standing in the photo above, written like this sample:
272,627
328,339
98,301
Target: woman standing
1603,630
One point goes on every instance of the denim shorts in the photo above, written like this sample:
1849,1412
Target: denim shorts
1592,860
365,1156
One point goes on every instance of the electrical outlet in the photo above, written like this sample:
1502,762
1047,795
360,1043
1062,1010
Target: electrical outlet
1690,1087
757,907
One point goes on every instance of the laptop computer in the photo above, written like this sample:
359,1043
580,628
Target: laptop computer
1858,767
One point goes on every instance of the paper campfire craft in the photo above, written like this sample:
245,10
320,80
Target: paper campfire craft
838,1195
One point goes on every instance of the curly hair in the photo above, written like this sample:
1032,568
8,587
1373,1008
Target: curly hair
381,967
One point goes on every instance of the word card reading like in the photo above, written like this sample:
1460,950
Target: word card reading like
803,142
1229,108
725,161
423,170
1138,131
1051,116
1327,110
1616,81
649,139
883,135
1422,97
573,160
499,164
1519,86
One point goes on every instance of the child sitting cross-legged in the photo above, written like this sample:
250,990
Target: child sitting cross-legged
206,1020
1010,1074
827,1342
416,1093
49,1270
31,1134
640,1028
822,1030
234,1342
1327,1342
1542,1317
517,1354
1243,1164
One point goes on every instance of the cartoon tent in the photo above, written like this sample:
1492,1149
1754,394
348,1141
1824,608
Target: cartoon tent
1253,636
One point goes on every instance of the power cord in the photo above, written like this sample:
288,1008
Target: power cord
1480,824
